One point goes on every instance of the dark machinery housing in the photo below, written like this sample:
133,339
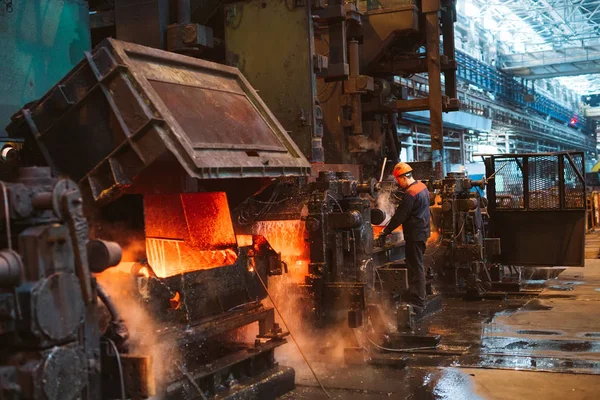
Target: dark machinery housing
52,343
341,245
463,225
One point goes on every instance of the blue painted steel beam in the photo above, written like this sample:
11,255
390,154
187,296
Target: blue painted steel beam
507,88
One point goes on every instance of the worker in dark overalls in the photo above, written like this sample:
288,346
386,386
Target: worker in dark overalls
413,215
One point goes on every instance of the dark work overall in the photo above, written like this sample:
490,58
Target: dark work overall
413,215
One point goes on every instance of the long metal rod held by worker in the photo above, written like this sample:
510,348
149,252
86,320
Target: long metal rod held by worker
495,172
382,169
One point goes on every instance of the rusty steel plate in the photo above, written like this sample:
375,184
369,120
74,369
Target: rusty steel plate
125,106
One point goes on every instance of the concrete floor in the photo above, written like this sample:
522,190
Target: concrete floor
545,346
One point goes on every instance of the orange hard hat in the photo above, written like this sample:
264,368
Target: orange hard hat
402,169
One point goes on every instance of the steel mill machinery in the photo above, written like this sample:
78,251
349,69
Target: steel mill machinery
352,277
463,226
165,147
330,79
340,237
54,342
329,74
154,165
533,217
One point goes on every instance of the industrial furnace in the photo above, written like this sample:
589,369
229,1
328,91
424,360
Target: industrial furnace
150,123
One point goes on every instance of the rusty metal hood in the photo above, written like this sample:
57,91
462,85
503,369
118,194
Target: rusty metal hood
126,106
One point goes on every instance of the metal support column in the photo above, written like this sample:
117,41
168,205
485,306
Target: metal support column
431,8
183,11
448,19
413,131
335,14
142,21
354,62
463,150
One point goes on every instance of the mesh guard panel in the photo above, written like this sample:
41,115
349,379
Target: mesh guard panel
543,183
574,187
509,183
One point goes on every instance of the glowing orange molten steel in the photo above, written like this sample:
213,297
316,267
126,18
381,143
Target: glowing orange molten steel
244,240
435,236
287,238
188,232
377,229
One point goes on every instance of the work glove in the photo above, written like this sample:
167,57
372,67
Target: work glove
381,238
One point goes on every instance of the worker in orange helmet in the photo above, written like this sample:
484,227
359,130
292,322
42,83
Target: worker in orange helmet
413,214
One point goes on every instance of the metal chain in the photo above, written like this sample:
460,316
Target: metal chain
9,5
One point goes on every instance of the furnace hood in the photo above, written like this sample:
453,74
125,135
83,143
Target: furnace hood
126,106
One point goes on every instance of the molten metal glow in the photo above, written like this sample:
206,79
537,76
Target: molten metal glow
433,238
244,240
188,232
287,238
144,272
175,301
173,257
377,229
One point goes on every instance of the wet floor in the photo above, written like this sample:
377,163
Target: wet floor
545,346
456,384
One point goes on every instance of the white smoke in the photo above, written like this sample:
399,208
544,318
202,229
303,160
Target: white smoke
385,203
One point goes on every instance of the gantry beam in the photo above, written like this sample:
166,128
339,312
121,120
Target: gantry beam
552,63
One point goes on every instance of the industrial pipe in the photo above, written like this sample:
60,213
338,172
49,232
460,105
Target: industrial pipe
378,216
368,187
11,268
103,254
42,200
480,184
108,302
354,60
345,220
117,331
392,136
183,12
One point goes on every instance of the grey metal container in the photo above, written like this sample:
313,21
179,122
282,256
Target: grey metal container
127,106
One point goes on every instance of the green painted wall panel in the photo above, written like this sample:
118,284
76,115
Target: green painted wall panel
40,41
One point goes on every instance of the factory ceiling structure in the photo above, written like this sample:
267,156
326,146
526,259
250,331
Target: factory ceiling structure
546,38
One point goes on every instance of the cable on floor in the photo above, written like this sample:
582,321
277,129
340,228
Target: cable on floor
291,334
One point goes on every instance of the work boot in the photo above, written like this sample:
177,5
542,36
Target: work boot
417,310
